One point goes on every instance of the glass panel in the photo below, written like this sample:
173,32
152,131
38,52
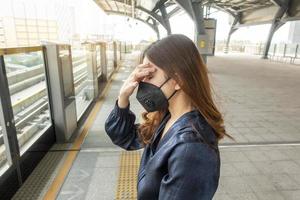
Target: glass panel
67,76
98,59
29,96
280,49
3,154
83,94
290,50
110,58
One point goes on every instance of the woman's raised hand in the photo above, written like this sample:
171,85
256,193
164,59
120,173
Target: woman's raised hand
138,74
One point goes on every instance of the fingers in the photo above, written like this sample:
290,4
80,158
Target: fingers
143,73
139,73
143,65
146,70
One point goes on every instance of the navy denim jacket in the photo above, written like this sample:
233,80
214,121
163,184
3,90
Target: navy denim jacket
185,164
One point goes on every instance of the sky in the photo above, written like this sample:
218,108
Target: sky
90,19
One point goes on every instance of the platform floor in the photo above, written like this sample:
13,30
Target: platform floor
261,106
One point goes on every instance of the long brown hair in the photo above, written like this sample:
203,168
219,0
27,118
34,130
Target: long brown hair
177,54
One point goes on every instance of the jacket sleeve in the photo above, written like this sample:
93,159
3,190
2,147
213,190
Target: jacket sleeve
121,129
193,173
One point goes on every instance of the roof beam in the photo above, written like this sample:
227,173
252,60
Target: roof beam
108,4
158,5
173,12
165,18
233,14
154,16
117,6
186,5
100,5
280,3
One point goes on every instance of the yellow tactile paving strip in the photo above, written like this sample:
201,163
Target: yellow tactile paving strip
127,181
71,155
129,160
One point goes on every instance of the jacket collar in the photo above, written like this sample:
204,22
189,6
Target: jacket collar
180,123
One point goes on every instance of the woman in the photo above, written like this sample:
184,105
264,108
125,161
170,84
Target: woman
181,127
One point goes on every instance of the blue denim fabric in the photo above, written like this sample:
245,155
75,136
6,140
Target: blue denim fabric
185,164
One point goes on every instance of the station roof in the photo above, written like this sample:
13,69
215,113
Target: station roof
250,12
143,9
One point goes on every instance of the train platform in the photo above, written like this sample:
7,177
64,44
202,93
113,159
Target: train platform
263,164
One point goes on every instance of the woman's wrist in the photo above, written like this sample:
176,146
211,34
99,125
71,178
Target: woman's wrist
123,101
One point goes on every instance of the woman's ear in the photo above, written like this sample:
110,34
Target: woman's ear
177,87
177,84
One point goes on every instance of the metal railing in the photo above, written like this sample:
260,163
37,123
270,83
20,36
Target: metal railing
287,53
26,79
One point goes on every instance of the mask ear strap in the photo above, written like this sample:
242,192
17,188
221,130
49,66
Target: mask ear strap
164,82
172,94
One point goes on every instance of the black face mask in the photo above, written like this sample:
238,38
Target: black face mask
151,97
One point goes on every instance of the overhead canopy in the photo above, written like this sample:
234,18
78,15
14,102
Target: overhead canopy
146,11
125,7
250,12
258,11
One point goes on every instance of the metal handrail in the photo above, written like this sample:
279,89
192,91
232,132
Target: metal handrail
16,50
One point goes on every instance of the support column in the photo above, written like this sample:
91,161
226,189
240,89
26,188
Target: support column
276,23
200,35
194,9
232,30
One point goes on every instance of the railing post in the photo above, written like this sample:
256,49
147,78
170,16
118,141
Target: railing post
120,50
92,70
8,123
103,62
115,54
61,81
284,50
